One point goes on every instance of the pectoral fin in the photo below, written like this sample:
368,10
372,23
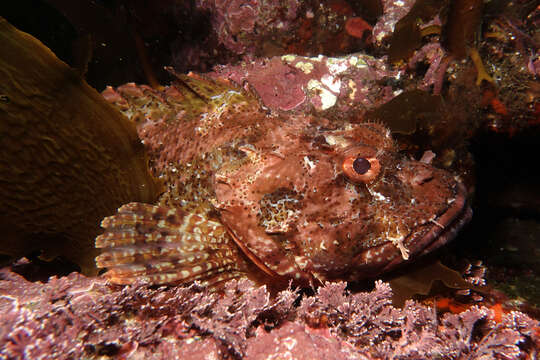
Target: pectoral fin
161,245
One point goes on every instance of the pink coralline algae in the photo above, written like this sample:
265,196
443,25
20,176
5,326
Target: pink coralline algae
77,317
393,11
434,55
264,28
241,24
350,84
299,342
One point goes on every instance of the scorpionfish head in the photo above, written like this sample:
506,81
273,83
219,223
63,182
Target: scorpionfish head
326,202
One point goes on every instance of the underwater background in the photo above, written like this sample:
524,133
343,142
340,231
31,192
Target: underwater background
455,81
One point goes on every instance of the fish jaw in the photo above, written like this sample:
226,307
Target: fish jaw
441,230
426,238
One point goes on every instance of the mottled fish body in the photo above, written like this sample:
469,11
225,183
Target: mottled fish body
272,196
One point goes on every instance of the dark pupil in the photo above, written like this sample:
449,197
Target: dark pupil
361,165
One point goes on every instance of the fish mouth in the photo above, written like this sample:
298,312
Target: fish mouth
426,238
440,231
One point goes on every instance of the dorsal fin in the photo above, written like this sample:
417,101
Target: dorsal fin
210,91
191,95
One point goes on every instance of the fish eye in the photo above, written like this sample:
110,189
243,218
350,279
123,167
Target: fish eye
361,169
361,165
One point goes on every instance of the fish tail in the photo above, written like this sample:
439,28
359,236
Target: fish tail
161,245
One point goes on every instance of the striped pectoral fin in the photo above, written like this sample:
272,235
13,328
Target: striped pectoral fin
161,245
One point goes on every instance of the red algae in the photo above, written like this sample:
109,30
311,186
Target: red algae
80,317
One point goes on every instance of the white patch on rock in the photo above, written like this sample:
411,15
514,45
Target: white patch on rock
328,99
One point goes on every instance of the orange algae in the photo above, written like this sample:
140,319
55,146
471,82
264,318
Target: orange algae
356,27
447,304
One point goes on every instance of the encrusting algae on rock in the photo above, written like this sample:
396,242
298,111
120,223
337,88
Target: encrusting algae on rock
274,196
68,158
